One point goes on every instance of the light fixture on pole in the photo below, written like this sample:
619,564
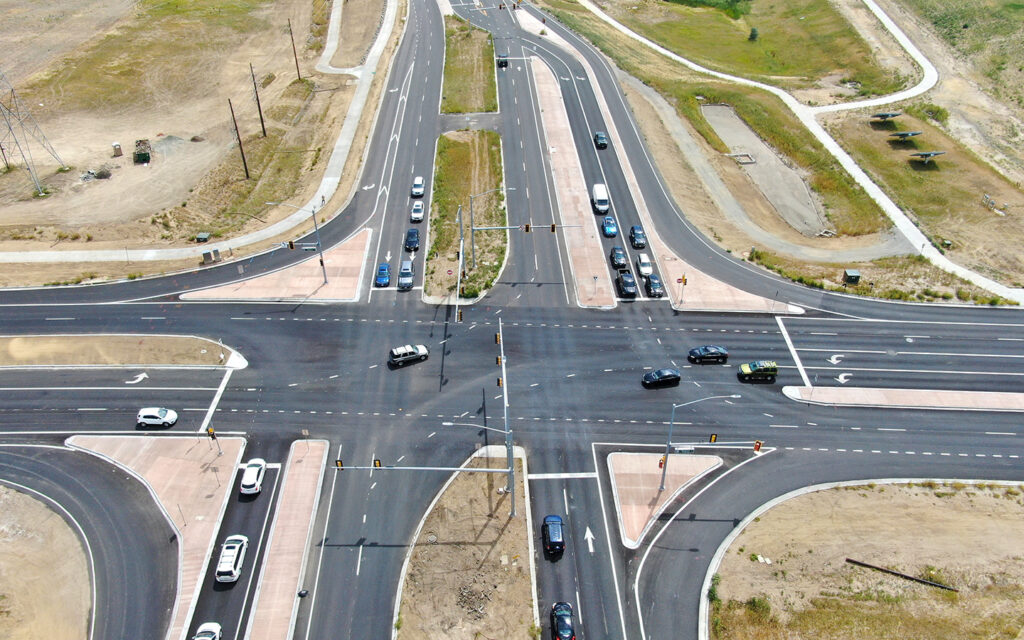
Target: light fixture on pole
316,228
671,423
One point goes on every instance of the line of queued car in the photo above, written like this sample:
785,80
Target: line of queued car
232,551
758,370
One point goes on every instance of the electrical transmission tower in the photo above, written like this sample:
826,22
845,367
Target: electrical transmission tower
19,129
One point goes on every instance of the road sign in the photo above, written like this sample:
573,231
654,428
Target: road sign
679,280
450,272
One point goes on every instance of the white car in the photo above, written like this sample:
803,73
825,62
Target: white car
232,555
643,265
207,631
417,211
156,417
252,477
418,187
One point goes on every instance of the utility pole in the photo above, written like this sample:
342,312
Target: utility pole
238,137
256,92
294,53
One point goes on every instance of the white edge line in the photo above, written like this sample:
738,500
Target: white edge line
792,351
611,554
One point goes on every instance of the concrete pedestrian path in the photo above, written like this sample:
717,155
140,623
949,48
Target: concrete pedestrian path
635,479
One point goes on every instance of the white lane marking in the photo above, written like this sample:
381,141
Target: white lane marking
57,319
359,560
796,357
999,433
562,476
784,426
565,500
889,429
90,409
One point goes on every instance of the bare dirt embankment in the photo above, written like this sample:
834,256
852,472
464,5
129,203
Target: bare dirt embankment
43,593
965,536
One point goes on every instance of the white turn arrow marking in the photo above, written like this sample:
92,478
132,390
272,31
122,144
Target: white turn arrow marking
837,358
369,186
844,378
387,257
589,537
139,378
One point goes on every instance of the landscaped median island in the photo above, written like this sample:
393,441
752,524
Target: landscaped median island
469,573
468,164
786,575
469,84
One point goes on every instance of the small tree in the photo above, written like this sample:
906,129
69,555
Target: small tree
753,35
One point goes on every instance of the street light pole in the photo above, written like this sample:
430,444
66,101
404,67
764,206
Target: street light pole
508,453
472,228
316,228
671,423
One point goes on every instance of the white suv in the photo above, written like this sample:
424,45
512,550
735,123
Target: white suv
417,211
207,631
418,187
643,265
156,417
232,554
408,353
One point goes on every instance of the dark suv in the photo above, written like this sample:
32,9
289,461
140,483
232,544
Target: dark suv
637,237
600,140
618,258
552,533
412,240
626,283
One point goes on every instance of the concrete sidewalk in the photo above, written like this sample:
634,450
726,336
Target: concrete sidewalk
635,478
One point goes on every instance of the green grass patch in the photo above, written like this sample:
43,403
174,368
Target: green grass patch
798,42
850,210
468,163
989,33
469,84
160,51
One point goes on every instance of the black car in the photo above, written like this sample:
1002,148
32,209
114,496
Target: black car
618,257
600,140
412,240
552,533
637,237
708,353
626,283
502,60
654,287
561,621
661,378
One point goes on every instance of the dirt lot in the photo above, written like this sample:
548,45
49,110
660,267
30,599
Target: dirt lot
965,536
469,575
42,594
195,182
109,350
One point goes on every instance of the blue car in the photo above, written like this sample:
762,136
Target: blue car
609,228
383,275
